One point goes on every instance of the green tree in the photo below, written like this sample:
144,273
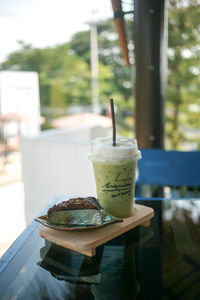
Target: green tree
183,94
64,76
120,81
110,54
64,70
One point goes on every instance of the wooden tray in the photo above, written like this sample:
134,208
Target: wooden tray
85,242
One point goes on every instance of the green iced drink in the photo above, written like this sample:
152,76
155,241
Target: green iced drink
115,169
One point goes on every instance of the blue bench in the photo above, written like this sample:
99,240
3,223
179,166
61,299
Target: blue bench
169,168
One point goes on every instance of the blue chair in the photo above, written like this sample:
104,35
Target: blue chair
159,168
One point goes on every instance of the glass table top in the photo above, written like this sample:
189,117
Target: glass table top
161,261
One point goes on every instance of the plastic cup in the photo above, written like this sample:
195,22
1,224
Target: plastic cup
115,171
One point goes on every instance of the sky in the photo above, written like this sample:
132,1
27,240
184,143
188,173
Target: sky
44,23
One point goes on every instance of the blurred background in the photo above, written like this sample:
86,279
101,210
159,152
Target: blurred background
60,62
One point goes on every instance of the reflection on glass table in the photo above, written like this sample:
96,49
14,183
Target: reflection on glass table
158,262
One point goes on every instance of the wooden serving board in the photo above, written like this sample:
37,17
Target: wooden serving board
86,241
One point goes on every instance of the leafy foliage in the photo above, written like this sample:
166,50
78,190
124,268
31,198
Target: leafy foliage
64,70
64,73
183,95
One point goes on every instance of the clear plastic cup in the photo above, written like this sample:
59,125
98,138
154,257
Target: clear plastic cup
115,171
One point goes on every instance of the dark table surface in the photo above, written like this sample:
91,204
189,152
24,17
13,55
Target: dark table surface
161,261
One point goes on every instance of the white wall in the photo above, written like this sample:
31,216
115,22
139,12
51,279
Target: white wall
56,164
19,93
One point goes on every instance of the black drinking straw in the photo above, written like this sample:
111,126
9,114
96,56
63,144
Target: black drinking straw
113,121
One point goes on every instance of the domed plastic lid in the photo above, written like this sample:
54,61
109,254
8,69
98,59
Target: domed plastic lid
126,149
